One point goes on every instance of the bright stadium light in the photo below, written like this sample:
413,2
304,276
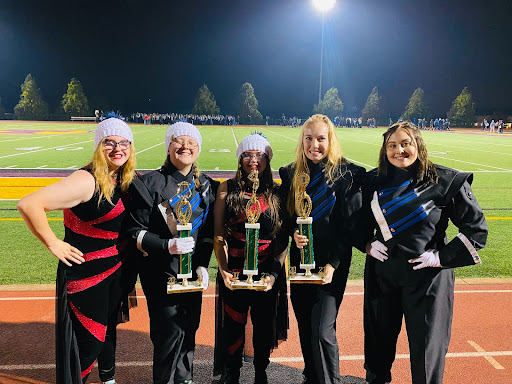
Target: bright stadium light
324,5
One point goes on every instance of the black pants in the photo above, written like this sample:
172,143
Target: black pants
316,309
427,305
173,326
263,317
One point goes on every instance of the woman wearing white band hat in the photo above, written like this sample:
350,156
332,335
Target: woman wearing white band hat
174,318
88,290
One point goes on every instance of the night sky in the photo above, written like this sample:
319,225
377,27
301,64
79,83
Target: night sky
145,56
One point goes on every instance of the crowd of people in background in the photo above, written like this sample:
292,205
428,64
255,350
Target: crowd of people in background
292,121
171,118
438,124
348,122
493,126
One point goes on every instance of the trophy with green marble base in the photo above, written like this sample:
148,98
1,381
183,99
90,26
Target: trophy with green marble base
303,206
252,231
183,215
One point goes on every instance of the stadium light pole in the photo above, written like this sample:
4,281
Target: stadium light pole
323,6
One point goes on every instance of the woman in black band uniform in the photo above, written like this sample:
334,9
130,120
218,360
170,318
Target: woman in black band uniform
174,318
408,202
334,189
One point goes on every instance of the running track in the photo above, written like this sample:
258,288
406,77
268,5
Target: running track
480,351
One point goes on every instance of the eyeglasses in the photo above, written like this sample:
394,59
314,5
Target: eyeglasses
258,156
192,144
111,144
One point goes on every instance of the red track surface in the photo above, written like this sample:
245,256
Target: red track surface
480,350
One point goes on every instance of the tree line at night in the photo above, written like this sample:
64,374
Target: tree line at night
31,105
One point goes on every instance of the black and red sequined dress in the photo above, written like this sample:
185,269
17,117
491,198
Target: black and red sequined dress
88,294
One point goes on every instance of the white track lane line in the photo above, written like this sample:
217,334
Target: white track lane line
21,298
297,359
489,358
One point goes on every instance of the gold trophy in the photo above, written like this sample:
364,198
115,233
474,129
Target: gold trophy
252,230
303,206
183,215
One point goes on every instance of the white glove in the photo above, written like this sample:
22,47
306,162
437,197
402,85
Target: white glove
429,258
377,250
179,246
203,272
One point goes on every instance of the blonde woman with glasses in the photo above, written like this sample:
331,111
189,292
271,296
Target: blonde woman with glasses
88,289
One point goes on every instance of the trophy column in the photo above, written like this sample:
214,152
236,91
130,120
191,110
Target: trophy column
252,231
183,215
185,258
303,206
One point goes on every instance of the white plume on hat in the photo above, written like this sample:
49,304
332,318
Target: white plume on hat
182,129
254,142
112,126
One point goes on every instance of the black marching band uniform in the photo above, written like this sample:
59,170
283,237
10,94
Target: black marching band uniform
174,318
269,310
411,217
316,306
88,294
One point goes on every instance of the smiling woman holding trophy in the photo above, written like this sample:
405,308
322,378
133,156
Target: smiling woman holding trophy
171,221
250,247
321,184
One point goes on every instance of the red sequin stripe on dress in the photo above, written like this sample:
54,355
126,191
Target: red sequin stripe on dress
237,252
75,286
86,371
96,329
242,217
240,318
86,228
101,254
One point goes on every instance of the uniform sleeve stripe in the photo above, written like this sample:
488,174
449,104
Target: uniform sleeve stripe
379,217
140,236
470,248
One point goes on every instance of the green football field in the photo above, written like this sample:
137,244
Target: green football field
54,145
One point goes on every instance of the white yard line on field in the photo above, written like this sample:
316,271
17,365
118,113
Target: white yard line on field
469,162
44,149
30,137
359,141
234,137
493,144
148,148
275,133
363,164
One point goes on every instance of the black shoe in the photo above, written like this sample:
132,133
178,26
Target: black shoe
230,376
309,380
260,377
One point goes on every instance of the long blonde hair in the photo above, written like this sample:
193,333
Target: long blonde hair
105,186
300,165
